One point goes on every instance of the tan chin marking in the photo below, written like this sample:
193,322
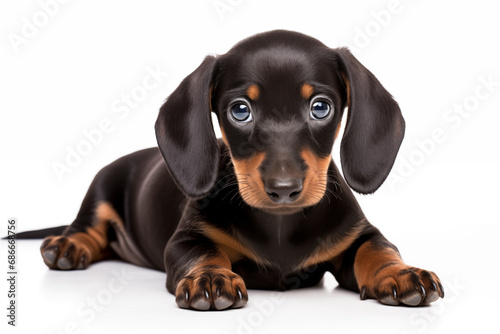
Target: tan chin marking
316,177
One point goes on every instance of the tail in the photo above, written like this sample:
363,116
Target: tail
40,234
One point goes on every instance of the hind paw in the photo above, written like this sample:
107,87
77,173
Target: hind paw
65,253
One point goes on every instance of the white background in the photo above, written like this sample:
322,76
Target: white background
439,206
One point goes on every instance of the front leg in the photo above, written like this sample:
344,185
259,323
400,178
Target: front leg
373,266
199,274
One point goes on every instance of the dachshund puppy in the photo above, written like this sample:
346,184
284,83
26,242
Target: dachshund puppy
265,207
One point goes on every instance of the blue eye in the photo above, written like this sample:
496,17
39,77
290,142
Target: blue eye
320,109
240,112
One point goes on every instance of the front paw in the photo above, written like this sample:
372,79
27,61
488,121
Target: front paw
211,288
401,284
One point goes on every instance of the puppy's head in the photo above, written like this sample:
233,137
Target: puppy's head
279,98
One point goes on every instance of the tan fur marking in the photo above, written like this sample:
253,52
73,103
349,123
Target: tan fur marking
105,211
221,259
316,176
233,254
250,183
104,214
89,243
252,188
228,244
95,238
253,92
369,259
306,91
328,250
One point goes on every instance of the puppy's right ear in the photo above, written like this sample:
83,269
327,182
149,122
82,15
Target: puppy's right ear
185,134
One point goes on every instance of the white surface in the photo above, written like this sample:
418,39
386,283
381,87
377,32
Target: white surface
439,206
95,301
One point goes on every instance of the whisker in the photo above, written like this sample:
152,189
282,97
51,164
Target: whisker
235,194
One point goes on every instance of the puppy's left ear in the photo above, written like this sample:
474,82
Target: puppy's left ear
374,130
185,133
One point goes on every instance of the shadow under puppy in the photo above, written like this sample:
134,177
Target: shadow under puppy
266,207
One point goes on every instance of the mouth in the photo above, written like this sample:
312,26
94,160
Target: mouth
282,210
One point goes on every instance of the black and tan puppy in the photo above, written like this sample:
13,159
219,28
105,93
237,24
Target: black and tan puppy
265,207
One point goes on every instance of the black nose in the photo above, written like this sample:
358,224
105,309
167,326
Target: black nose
283,190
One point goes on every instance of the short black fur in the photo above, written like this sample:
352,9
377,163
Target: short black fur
202,206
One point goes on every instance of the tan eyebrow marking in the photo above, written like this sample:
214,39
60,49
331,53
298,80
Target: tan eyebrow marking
253,92
306,91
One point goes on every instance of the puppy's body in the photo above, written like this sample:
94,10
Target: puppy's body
265,207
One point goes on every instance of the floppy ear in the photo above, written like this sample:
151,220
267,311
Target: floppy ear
375,127
185,133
